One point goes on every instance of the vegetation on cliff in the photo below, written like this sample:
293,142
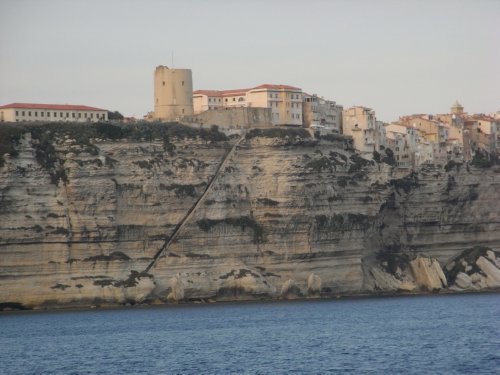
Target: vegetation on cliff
483,159
282,133
47,136
9,137
243,222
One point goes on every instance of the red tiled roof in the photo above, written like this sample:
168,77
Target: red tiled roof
221,92
483,118
276,87
57,107
244,91
234,92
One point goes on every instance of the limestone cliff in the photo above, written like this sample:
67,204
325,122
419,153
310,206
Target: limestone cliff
153,213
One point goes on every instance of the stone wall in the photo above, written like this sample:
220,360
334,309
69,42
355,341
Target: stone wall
232,118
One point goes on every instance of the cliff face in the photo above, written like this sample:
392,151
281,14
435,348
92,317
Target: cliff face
275,214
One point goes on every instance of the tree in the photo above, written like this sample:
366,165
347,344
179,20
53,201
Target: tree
115,115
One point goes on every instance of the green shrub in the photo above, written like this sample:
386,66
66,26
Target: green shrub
319,164
452,164
389,157
9,138
243,222
342,222
282,133
483,159
267,202
406,183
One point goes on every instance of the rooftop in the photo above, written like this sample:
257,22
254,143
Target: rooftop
57,107
266,86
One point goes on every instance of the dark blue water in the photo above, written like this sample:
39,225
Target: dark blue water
421,335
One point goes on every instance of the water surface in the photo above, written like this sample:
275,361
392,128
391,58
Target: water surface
411,335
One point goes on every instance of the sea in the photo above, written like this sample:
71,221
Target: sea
433,334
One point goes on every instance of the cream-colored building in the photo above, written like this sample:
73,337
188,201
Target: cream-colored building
173,93
361,124
322,114
284,101
410,148
17,112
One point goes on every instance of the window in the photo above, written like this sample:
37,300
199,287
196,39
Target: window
182,83
163,83
209,99
17,113
48,114
60,114
241,99
234,99
55,114
85,115
36,114
182,108
79,115
91,115
41,114
67,114
29,113
225,100
73,115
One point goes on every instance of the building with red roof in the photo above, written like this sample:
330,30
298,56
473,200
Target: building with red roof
284,101
28,112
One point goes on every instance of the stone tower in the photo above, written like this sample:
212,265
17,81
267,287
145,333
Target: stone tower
457,108
173,96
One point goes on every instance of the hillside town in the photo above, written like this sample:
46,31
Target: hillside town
412,140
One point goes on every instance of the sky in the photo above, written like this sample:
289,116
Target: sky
397,57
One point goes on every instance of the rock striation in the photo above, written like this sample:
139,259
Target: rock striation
161,213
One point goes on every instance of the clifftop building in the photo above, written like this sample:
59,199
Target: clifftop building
361,124
284,101
321,113
15,112
173,93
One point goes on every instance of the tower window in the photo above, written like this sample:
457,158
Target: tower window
182,110
163,83
182,83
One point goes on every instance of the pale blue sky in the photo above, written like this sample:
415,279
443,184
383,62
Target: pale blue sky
397,57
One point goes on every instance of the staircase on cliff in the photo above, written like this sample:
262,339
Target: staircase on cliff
191,211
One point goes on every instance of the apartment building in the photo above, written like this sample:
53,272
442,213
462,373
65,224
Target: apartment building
320,113
16,112
284,101
361,124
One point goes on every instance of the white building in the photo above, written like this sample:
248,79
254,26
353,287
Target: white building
284,101
16,112
321,113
